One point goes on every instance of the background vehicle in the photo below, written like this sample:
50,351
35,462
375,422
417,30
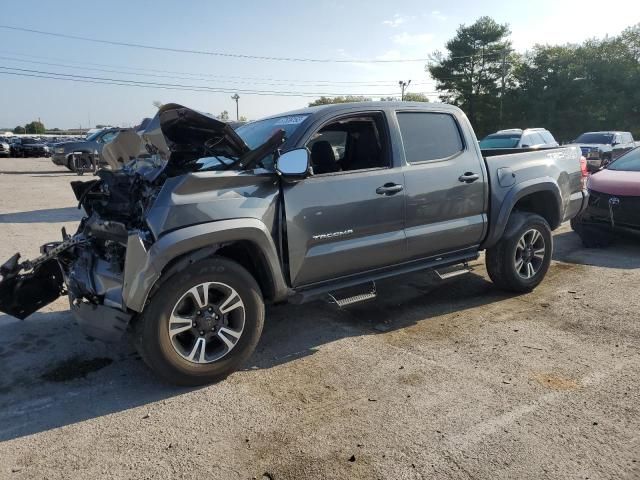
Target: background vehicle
186,247
29,147
63,152
599,148
5,148
614,201
516,138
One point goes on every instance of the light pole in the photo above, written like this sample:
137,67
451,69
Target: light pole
403,86
236,97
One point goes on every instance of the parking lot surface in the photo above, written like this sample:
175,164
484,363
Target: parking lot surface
434,379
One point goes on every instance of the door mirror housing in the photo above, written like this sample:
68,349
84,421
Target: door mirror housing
294,163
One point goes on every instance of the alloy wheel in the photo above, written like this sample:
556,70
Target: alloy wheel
529,255
207,322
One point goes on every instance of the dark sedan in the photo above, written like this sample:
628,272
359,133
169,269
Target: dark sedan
29,147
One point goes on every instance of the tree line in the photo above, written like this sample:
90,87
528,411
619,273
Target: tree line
568,89
34,127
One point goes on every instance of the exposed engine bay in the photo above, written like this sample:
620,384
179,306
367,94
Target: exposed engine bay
89,265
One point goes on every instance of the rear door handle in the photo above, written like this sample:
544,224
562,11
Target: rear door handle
389,189
468,177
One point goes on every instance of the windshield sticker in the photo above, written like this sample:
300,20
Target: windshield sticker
293,120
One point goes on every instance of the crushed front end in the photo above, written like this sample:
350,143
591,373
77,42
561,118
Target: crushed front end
99,266
89,265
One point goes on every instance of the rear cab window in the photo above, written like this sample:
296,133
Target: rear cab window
429,136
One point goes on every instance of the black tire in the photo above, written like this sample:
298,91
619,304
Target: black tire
575,224
152,328
501,258
68,164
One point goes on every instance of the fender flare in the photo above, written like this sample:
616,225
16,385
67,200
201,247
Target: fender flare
144,268
519,191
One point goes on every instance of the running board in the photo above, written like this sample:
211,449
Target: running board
353,299
453,271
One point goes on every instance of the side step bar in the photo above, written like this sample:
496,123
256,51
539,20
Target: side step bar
351,298
321,289
453,271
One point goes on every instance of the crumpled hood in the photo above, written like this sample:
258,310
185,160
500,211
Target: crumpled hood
616,182
180,134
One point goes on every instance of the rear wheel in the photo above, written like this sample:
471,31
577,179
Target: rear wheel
201,324
520,260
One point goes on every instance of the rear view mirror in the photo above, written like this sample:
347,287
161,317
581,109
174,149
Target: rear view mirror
294,163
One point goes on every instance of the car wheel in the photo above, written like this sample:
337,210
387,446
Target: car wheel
202,323
520,260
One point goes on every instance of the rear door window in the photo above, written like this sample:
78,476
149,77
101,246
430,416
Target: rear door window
548,138
429,136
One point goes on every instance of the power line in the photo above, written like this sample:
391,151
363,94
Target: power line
170,86
278,83
207,52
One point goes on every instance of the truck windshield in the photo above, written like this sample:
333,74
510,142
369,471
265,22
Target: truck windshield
629,162
93,136
500,140
255,134
595,138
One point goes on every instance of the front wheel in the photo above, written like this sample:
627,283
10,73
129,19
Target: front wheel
202,323
520,260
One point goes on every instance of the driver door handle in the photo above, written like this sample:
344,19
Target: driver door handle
468,177
389,189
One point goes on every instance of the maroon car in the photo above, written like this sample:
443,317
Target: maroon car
614,202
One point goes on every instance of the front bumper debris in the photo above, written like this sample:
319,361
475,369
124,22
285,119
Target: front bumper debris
23,294
30,285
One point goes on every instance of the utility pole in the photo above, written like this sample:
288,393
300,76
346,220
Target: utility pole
403,86
236,97
504,73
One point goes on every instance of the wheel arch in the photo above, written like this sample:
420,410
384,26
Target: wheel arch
535,196
246,241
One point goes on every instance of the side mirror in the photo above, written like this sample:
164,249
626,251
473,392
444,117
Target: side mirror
294,163
614,143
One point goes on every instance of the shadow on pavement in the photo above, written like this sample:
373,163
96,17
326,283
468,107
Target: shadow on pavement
35,173
295,331
48,215
114,378
624,253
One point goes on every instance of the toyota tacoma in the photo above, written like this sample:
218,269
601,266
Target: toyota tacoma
184,248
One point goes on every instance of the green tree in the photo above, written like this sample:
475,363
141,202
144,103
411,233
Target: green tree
224,116
341,99
408,97
415,97
570,89
19,129
157,103
35,127
470,73
242,118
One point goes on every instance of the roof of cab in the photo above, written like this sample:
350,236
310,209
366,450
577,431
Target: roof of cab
381,105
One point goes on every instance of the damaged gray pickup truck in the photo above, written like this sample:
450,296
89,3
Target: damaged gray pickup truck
184,248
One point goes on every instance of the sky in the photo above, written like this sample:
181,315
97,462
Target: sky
335,30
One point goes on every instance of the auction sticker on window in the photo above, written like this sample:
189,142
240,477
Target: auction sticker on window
292,120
